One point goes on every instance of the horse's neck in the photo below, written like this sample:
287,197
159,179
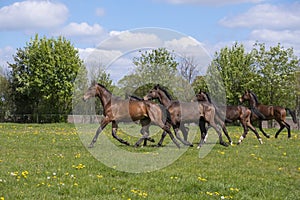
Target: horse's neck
105,98
164,100
253,103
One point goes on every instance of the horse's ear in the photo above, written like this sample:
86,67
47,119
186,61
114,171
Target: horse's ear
156,86
93,82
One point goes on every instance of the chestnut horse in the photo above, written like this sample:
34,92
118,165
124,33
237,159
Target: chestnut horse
269,112
234,113
186,112
119,110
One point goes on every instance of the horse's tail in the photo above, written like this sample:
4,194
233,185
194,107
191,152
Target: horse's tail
257,113
293,114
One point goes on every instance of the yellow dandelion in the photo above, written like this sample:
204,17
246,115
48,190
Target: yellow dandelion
75,184
202,179
99,176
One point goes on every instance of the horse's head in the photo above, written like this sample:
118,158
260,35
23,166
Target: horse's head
246,96
152,94
91,91
201,96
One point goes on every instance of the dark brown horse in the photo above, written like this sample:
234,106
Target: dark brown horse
269,112
119,110
234,113
186,112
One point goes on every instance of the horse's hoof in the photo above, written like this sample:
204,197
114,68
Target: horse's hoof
224,144
158,145
191,145
127,143
91,146
151,140
268,136
231,143
198,147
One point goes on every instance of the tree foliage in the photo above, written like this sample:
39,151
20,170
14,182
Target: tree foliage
270,73
43,75
157,66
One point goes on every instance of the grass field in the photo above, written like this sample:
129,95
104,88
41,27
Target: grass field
50,161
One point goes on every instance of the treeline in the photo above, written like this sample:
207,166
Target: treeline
47,78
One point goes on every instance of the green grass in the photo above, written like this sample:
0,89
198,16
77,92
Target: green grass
50,161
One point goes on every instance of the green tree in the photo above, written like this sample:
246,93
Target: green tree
43,75
235,67
157,66
276,68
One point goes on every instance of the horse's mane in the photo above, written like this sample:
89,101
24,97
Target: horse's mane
132,97
208,97
164,90
104,87
254,96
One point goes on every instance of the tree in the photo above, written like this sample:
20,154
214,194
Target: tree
157,66
276,69
236,71
43,75
188,69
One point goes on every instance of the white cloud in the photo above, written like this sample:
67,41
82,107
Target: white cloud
275,35
266,16
128,41
211,2
30,15
81,29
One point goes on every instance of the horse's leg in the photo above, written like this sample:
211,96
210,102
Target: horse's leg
224,129
182,128
254,131
159,144
260,128
114,133
283,125
212,123
203,132
145,131
142,131
103,124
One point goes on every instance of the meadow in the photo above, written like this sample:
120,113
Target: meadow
50,161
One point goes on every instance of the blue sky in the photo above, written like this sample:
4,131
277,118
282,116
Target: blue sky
213,23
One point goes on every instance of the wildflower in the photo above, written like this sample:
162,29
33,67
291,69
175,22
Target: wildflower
221,152
234,189
209,193
1,198
75,184
25,173
79,166
99,176
202,179
284,154
77,155
298,168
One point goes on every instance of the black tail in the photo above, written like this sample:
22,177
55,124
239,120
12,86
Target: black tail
292,113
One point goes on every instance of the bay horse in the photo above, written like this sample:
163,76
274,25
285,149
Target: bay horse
119,110
234,113
186,112
269,112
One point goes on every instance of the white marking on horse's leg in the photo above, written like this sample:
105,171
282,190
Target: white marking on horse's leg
205,138
241,139
260,140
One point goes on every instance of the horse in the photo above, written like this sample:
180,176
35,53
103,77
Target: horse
186,112
234,113
269,112
119,110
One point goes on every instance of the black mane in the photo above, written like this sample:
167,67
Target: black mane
104,87
208,97
164,90
254,96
